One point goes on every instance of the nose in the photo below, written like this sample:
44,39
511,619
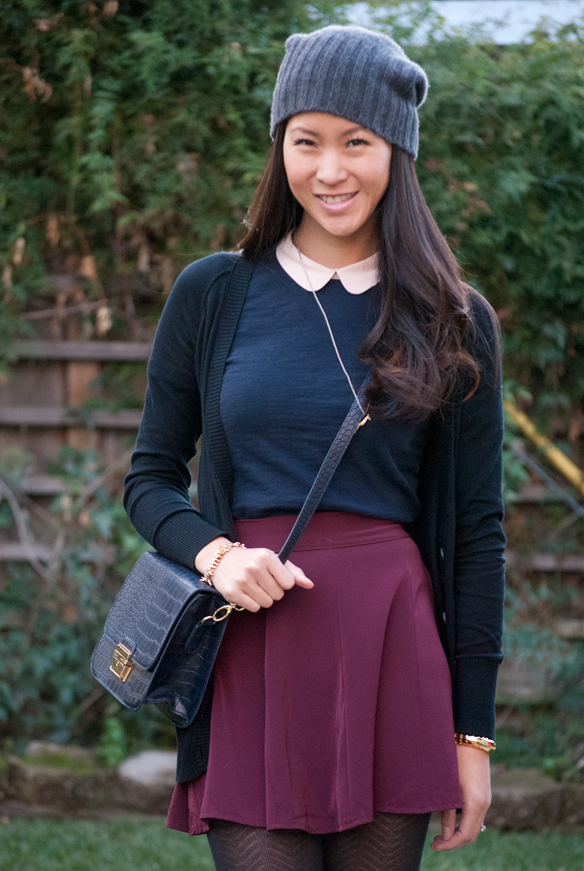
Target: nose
331,168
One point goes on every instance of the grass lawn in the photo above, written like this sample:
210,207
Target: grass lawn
146,845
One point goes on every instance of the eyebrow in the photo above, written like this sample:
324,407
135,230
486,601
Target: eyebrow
354,129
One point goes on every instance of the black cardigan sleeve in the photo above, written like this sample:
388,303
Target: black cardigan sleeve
156,495
479,575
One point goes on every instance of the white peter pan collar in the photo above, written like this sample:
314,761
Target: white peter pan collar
356,278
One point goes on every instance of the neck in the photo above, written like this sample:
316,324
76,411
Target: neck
334,252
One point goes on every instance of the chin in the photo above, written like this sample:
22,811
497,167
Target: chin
342,232
340,228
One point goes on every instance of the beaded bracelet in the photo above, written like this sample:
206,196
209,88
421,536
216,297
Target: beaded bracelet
225,548
475,741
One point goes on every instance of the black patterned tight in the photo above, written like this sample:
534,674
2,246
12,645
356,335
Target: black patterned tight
391,842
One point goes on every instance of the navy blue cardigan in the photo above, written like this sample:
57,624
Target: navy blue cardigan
458,531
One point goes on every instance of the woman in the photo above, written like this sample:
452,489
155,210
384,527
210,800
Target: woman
339,688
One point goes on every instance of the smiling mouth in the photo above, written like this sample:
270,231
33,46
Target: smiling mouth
338,198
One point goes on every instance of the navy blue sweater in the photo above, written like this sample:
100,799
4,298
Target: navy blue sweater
458,528
284,397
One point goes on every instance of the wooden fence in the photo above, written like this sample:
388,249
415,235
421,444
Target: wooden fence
41,410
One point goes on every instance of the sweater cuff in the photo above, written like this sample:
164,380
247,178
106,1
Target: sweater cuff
473,695
182,535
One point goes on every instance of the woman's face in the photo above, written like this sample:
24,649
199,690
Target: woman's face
337,170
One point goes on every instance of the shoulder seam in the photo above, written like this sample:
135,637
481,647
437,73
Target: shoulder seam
224,272
215,278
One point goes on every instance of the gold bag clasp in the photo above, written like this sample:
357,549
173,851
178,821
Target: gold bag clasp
121,663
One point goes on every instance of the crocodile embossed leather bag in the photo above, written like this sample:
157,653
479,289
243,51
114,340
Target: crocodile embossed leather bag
160,639
164,629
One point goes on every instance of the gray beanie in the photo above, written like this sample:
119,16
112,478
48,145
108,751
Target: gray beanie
355,73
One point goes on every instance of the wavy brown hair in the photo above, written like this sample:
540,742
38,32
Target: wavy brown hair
415,350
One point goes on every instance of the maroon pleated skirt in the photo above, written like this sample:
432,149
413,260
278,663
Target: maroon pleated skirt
334,703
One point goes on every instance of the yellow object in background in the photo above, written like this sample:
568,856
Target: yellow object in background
557,457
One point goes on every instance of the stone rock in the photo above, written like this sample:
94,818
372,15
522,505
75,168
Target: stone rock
524,798
73,756
151,767
74,783
573,806
4,780
58,787
146,781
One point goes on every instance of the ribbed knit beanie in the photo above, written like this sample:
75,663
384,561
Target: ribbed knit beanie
355,73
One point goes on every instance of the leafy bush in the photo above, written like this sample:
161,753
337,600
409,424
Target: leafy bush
137,132
501,160
52,612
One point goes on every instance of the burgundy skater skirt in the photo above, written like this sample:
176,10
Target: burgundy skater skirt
334,703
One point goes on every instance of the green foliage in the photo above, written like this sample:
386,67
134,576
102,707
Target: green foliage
549,735
543,739
134,127
514,471
501,159
111,748
118,386
51,615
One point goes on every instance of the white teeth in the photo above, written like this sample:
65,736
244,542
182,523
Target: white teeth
338,199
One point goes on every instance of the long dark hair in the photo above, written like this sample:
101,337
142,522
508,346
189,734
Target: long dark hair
415,350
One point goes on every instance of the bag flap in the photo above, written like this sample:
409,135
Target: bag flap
149,604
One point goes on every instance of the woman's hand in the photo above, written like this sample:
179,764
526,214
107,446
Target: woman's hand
475,782
252,578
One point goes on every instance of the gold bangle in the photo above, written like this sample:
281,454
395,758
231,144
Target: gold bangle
207,576
475,741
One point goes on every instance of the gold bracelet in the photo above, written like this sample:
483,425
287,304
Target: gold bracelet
207,576
475,741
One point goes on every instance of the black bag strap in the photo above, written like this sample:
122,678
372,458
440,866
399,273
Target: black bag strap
349,427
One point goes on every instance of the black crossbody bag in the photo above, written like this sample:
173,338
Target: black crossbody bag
164,629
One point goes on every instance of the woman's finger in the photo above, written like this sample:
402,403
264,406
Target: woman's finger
260,586
268,583
278,571
299,576
236,579
242,600
464,834
448,822
471,822
269,574
455,842
275,579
